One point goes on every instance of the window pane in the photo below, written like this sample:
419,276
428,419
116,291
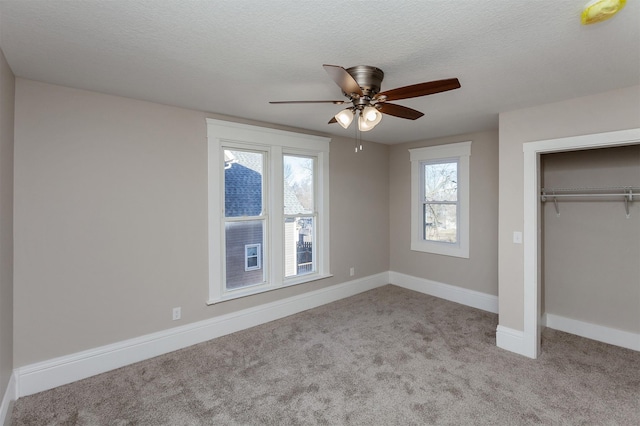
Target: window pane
299,246
298,184
243,183
237,236
440,222
252,257
441,181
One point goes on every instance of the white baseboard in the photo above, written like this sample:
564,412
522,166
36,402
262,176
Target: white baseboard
506,338
475,299
600,333
70,368
7,400
511,340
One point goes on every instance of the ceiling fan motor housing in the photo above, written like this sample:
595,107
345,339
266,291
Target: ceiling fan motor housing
368,78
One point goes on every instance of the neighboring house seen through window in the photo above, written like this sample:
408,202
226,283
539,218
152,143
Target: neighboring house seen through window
268,209
440,199
245,221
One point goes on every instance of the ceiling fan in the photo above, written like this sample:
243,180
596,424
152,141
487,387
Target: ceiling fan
361,85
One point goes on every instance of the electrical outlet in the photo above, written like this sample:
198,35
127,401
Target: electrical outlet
352,271
176,313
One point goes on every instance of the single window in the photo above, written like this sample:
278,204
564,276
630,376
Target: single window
440,199
252,257
268,209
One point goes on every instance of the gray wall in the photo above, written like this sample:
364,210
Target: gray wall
603,112
7,87
480,271
110,211
592,250
111,219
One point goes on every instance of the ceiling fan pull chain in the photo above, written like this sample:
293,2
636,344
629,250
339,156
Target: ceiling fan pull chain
355,138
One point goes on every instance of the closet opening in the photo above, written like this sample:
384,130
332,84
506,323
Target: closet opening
534,241
590,243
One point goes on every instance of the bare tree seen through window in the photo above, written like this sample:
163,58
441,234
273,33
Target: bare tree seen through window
440,203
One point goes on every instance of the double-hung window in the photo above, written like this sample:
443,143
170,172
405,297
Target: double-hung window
268,209
440,199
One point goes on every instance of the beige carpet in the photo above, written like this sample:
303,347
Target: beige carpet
389,356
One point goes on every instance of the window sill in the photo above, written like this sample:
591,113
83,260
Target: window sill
252,291
443,249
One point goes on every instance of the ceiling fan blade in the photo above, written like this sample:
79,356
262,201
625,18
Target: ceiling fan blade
420,89
343,79
333,120
308,102
399,111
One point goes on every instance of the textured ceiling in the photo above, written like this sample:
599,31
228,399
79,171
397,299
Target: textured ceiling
232,57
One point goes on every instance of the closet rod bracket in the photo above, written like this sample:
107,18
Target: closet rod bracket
544,199
628,199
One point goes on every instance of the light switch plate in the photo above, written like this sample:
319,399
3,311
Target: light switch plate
517,237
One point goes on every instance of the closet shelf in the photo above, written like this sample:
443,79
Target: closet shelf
626,193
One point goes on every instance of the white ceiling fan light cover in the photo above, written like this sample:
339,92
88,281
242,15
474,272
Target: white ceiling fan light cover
372,115
369,118
363,124
345,117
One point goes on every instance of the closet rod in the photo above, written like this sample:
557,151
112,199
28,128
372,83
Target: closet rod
616,194
628,192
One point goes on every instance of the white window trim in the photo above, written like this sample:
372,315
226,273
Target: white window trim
276,143
460,151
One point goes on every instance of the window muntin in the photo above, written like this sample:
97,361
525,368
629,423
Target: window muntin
440,199
305,215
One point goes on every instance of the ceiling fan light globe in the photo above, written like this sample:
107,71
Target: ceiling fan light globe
372,116
364,125
344,118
